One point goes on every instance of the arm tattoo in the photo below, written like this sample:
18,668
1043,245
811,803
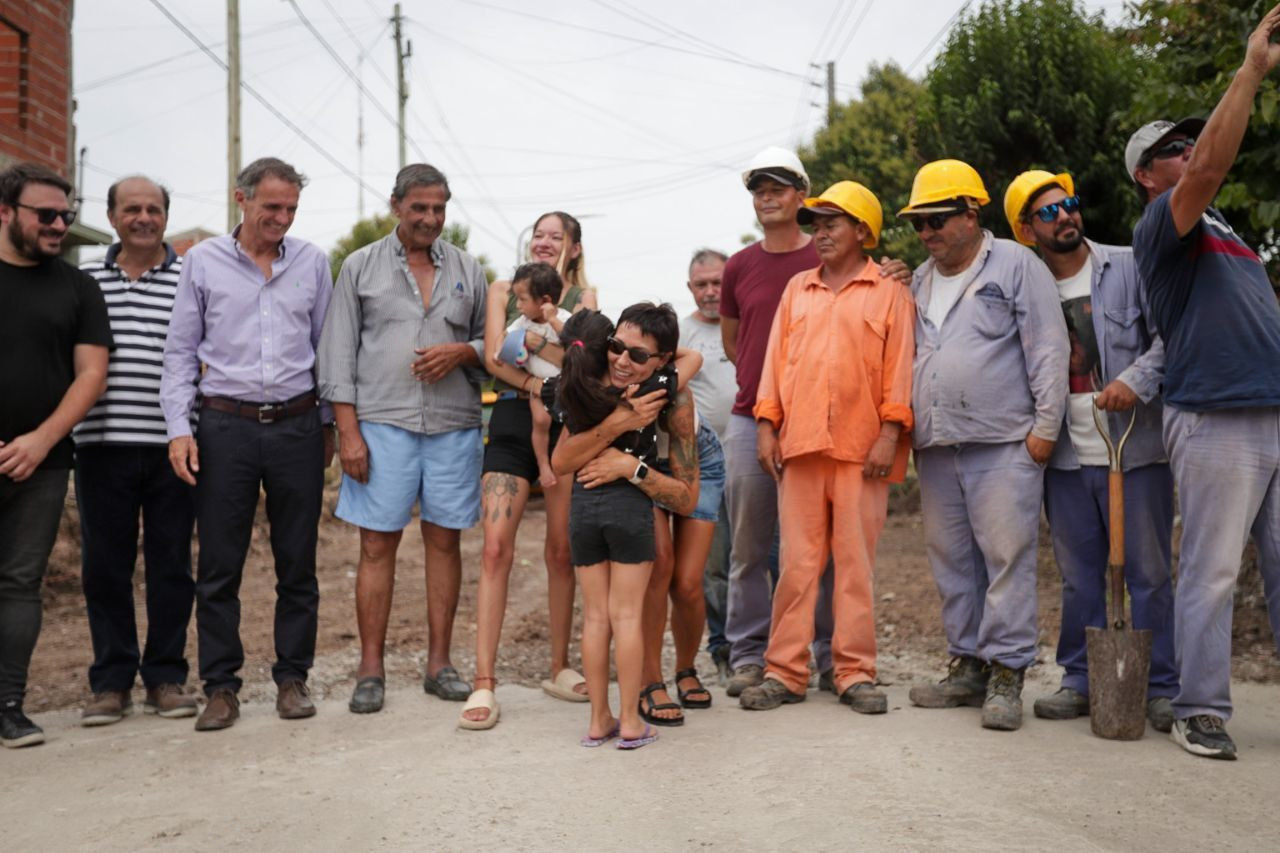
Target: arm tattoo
676,491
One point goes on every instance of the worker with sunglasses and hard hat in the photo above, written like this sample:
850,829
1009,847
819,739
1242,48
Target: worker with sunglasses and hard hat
989,392
1117,358
833,417
1217,314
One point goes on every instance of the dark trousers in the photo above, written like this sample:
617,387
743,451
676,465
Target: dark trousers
29,515
113,484
285,459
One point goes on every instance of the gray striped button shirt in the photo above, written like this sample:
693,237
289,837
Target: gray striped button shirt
377,319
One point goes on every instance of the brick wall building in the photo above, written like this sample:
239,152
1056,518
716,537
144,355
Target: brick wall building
35,83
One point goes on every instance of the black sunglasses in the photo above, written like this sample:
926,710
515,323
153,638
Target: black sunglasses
1049,212
46,215
637,354
935,220
1170,149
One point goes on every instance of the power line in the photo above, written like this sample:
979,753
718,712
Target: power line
938,36
857,25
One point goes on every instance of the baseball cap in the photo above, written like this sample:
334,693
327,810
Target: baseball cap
1152,134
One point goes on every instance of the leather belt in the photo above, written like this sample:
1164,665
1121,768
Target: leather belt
263,413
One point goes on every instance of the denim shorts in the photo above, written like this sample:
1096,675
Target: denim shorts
710,475
441,472
613,522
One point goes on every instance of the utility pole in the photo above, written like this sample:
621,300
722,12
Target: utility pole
831,93
402,92
233,109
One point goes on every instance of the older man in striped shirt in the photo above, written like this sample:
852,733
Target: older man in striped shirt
122,469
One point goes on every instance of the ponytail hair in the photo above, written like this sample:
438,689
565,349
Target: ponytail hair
582,393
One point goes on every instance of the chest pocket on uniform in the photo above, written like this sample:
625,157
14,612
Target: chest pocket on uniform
1123,331
795,337
992,311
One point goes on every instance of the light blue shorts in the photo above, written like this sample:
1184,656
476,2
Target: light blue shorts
441,472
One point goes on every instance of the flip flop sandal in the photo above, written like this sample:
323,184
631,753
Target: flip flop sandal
685,695
483,698
447,684
592,742
648,715
561,687
645,739
368,695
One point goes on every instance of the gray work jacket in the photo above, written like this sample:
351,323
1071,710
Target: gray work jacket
1130,350
997,369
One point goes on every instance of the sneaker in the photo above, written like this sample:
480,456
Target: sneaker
1202,734
107,707
220,712
293,702
747,675
1002,709
865,698
965,684
15,729
169,701
1066,704
767,695
1160,713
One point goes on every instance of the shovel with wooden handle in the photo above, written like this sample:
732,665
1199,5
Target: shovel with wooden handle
1119,657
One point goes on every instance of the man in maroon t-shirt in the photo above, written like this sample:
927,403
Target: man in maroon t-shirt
751,288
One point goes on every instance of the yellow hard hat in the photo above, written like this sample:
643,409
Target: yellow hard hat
941,181
1023,188
848,197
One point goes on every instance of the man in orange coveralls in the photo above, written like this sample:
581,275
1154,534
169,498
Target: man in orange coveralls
833,415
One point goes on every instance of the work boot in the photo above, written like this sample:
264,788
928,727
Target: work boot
15,729
109,706
221,711
169,701
1160,713
965,684
1203,734
1003,708
747,675
767,695
1066,704
865,698
293,702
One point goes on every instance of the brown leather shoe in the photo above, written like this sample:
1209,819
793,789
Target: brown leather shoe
109,706
221,712
293,702
169,701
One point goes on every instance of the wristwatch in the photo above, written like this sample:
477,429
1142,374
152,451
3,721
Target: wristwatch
642,471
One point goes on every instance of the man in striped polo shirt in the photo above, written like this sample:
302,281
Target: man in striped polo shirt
122,468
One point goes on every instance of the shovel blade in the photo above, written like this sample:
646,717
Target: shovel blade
1119,662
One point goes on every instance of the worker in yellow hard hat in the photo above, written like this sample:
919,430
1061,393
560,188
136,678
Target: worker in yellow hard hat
833,415
1116,357
989,391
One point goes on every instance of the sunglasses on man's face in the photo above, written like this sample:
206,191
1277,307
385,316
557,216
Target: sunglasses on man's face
46,215
1049,212
1175,148
639,355
935,221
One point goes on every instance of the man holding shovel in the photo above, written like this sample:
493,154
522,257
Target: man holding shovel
1217,314
1116,353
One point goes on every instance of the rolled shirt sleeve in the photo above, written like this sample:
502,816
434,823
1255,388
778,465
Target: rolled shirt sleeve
340,337
899,353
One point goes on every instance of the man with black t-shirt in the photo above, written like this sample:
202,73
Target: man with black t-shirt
53,322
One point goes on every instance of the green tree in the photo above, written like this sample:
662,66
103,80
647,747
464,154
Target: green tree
376,227
1190,52
1037,84
872,141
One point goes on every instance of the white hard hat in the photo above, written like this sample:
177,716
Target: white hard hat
780,164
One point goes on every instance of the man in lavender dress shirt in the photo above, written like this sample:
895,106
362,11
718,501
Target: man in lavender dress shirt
242,346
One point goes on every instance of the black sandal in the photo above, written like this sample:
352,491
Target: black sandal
647,714
685,694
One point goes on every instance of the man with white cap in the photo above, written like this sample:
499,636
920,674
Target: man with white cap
1117,358
833,420
1217,314
989,392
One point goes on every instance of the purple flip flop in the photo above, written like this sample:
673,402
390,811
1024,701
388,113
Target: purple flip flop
645,739
592,742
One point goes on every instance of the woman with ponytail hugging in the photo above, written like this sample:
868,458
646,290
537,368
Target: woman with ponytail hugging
616,385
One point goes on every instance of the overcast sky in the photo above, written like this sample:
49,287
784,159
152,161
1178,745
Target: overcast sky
634,115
